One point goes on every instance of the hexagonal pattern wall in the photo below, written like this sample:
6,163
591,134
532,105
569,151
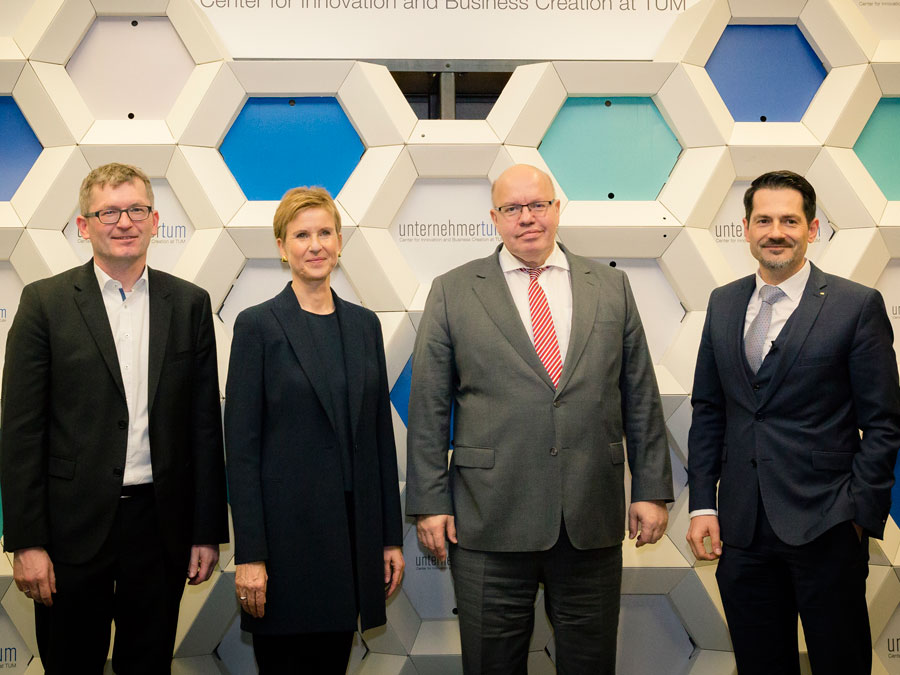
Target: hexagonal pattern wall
650,181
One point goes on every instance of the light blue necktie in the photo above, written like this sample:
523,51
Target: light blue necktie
759,327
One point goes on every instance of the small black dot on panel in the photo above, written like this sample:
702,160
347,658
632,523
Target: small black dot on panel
292,102
134,22
762,118
455,610
612,263
607,103
611,195
131,116
665,235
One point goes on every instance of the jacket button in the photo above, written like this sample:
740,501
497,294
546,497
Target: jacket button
753,463
755,387
554,452
556,404
759,417
123,424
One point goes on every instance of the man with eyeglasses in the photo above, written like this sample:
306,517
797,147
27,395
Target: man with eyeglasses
541,356
111,464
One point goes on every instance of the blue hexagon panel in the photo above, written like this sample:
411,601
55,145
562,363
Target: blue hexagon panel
19,147
610,148
276,144
878,145
400,392
765,73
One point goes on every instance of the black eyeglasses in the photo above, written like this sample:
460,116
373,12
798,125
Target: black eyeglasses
513,210
111,216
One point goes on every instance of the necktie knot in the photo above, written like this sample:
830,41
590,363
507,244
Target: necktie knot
771,294
533,272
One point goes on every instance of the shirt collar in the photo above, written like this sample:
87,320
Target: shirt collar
509,262
794,285
106,281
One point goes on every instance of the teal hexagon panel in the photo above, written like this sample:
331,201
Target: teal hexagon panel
610,148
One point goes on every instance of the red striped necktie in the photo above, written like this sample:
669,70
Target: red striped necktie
545,342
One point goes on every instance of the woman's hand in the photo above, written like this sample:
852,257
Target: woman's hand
250,585
393,569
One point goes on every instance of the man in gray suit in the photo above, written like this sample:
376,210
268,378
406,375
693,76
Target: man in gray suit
541,356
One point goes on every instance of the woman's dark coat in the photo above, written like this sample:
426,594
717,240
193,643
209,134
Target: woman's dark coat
284,472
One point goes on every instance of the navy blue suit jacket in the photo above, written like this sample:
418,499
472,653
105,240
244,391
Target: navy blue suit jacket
795,440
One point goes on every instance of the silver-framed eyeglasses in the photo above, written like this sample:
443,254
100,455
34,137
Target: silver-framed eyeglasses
513,210
111,215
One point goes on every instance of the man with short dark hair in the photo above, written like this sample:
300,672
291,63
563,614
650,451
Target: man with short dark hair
793,365
543,355
111,461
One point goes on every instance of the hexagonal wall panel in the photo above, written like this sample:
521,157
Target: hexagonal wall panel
589,131
878,145
153,75
442,224
765,73
18,146
889,285
661,311
304,140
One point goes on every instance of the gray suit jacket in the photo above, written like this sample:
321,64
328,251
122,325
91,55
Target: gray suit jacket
526,454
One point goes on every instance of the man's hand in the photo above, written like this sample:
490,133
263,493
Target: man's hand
34,575
702,527
393,569
203,559
250,580
433,532
648,518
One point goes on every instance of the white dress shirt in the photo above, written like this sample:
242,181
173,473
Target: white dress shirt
129,320
556,281
793,288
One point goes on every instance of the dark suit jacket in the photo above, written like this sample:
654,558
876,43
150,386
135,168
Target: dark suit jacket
284,472
795,441
527,454
65,419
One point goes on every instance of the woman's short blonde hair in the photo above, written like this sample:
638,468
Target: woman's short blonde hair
299,199
113,174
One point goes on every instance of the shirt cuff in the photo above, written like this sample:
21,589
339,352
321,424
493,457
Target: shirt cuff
703,512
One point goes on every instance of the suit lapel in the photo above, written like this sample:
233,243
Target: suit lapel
160,319
801,322
296,328
493,292
93,311
352,339
585,299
